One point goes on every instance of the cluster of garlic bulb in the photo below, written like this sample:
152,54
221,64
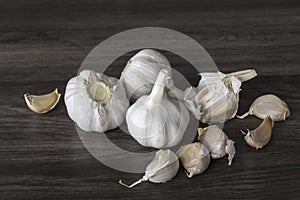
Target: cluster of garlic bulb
157,120
96,102
216,98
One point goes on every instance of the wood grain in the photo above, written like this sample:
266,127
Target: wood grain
42,44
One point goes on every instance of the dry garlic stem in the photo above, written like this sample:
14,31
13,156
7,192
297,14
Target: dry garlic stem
261,136
194,158
161,169
217,142
268,105
42,103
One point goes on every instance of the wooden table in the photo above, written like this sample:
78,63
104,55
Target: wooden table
42,44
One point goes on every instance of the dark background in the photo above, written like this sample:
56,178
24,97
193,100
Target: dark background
42,44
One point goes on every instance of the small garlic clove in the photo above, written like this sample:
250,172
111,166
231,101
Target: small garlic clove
260,136
268,105
194,158
161,169
217,142
42,103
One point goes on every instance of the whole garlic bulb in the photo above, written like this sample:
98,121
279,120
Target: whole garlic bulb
217,142
161,169
194,157
215,99
140,73
95,101
156,120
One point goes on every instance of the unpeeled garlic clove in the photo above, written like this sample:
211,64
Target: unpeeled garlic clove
161,169
217,142
194,158
268,105
260,136
42,103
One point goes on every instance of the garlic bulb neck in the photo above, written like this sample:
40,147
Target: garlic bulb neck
99,92
158,90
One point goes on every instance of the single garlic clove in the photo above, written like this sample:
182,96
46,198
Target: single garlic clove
161,169
268,105
217,142
260,136
42,103
194,158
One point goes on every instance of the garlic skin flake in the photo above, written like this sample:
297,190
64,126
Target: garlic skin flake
215,99
217,142
268,105
141,71
96,102
42,103
194,157
161,169
156,120
260,136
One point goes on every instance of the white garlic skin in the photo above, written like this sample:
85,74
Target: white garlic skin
141,71
194,157
156,120
89,114
270,105
217,142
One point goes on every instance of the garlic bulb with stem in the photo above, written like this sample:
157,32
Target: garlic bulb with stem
217,142
215,99
156,120
268,105
161,169
96,102
194,158
140,73
260,136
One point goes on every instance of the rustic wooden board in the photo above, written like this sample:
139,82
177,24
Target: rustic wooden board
42,44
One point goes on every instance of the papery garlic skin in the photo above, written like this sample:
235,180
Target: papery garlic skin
215,99
141,71
194,157
268,105
156,120
96,102
260,136
161,169
217,142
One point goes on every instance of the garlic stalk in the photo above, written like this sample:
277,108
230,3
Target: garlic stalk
161,169
96,102
194,158
42,103
215,99
156,120
217,142
268,105
260,136
140,73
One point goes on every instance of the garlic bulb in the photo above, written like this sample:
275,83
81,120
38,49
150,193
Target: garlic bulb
96,102
194,158
156,120
217,142
161,169
268,105
260,136
141,71
215,99
42,103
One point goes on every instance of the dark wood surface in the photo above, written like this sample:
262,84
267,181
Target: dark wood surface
42,44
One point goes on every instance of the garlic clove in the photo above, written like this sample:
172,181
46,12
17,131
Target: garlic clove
260,136
42,103
244,75
194,158
217,142
268,105
161,169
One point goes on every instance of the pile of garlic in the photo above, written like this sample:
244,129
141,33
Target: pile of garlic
158,116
